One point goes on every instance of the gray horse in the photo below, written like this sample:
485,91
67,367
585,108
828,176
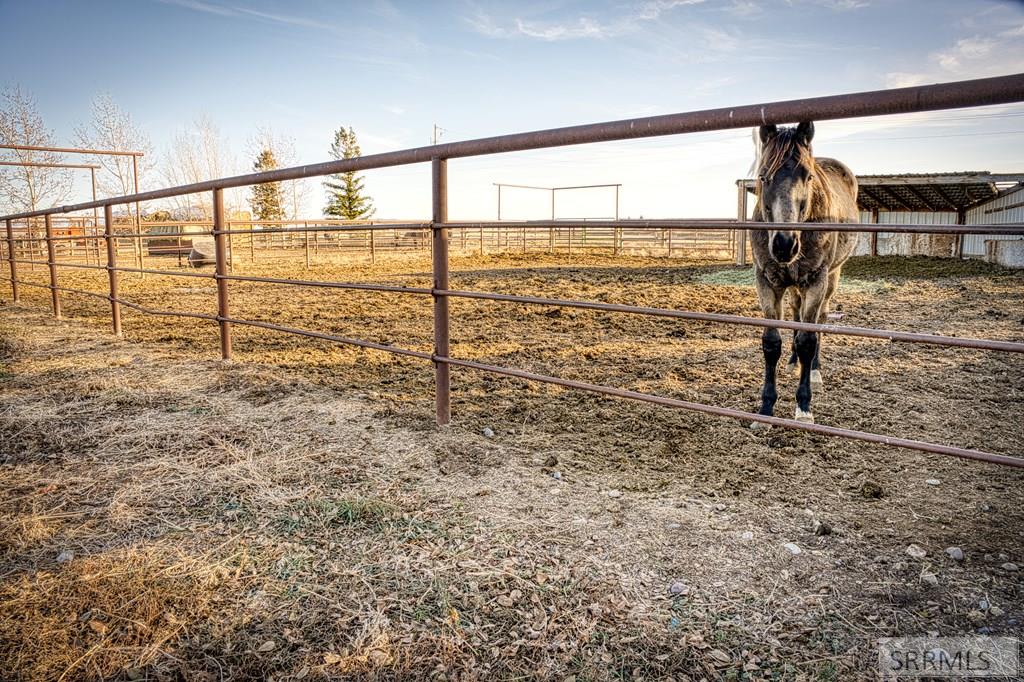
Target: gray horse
795,187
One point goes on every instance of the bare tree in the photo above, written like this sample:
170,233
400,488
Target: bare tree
112,128
197,153
28,188
293,192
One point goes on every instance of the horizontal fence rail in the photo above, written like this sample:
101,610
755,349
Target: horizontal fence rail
30,237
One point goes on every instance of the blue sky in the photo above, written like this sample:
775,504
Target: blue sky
392,69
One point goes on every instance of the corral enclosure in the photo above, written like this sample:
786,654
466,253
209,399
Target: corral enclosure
298,496
294,513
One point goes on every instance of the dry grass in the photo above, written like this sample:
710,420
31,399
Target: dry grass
294,516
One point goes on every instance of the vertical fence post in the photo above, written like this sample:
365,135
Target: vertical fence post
138,214
220,256
373,244
439,242
305,242
12,260
51,254
108,234
741,214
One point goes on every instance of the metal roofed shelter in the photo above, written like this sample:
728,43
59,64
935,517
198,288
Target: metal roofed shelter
963,198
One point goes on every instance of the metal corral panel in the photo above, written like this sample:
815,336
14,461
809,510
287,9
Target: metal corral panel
1008,208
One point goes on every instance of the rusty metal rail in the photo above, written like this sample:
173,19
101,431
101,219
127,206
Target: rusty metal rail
998,90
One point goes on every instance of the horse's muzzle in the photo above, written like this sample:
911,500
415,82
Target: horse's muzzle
785,247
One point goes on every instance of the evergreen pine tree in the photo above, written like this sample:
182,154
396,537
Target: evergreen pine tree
266,198
345,198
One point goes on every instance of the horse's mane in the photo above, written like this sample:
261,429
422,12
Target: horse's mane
774,153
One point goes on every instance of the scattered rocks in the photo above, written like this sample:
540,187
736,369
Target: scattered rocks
995,611
792,548
933,481
1009,566
747,535
268,645
976,616
822,528
557,475
488,432
720,507
955,553
678,588
614,493
871,490
65,556
551,462
983,605
916,551
930,579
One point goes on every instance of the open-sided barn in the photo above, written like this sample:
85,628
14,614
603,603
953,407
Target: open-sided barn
962,198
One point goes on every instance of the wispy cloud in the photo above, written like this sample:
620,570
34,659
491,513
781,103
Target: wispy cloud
236,11
581,27
396,110
199,6
993,48
841,5
584,27
744,8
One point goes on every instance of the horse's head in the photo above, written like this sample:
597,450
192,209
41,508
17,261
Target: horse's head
785,184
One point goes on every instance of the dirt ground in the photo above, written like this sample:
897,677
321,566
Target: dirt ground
296,515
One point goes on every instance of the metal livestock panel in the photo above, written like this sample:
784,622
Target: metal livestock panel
1007,208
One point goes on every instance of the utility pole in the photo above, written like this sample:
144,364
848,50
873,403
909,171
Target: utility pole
436,135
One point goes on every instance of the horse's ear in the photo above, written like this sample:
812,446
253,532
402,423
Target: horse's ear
805,132
768,132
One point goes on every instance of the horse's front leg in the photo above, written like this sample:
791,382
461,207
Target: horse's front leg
814,301
771,345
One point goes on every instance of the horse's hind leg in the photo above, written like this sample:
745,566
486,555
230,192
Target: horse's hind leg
771,345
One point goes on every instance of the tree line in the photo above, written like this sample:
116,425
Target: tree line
194,153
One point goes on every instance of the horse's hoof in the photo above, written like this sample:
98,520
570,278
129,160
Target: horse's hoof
805,417
816,379
760,426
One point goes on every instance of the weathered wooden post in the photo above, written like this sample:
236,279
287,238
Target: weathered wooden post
220,258
305,234
741,214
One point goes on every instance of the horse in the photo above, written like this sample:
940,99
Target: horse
795,187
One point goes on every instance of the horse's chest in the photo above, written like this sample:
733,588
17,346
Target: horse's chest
797,274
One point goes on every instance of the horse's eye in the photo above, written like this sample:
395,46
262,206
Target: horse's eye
763,178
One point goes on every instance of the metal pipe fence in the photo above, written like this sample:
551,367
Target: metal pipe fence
905,100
